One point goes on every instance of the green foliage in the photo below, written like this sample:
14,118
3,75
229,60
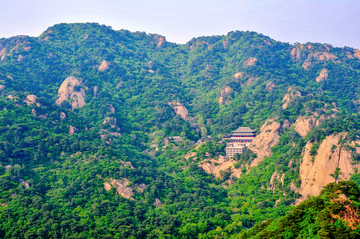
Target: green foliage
314,149
312,218
52,183
336,174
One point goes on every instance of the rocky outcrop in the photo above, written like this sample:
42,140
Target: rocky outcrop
286,124
215,167
46,35
306,54
224,96
238,75
31,99
20,58
70,89
323,56
13,98
323,75
347,212
294,188
96,89
179,109
157,203
62,115
190,155
107,186
250,62
24,183
289,97
110,128
150,64
160,40
262,143
111,108
127,164
104,66
318,56
296,53
19,44
110,121
251,80
122,187
72,130
318,171
276,177
304,124
3,53
118,86
357,53
8,167
270,86
225,43
267,42
199,43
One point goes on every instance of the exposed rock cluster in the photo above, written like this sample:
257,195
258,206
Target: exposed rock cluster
32,99
304,124
215,167
104,66
179,109
122,187
289,97
323,75
250,62
70,89
223,99
238,75
276,177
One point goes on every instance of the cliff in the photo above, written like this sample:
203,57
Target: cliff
318,171
262,143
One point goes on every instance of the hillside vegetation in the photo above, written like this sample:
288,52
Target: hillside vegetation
118,134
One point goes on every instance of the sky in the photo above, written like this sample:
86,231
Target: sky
326,21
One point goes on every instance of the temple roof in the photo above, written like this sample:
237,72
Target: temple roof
243,130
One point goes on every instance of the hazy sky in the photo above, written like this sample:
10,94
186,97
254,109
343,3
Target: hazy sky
326,21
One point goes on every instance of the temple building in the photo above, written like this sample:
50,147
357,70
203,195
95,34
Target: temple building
238,140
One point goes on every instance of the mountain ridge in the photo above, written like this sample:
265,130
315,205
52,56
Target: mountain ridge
153,115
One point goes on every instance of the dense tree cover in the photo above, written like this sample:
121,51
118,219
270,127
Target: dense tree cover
52,181
330,215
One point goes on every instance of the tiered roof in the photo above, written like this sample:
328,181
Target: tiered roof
243,130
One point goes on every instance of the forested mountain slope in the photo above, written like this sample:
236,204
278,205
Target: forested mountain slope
118,134
333,214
